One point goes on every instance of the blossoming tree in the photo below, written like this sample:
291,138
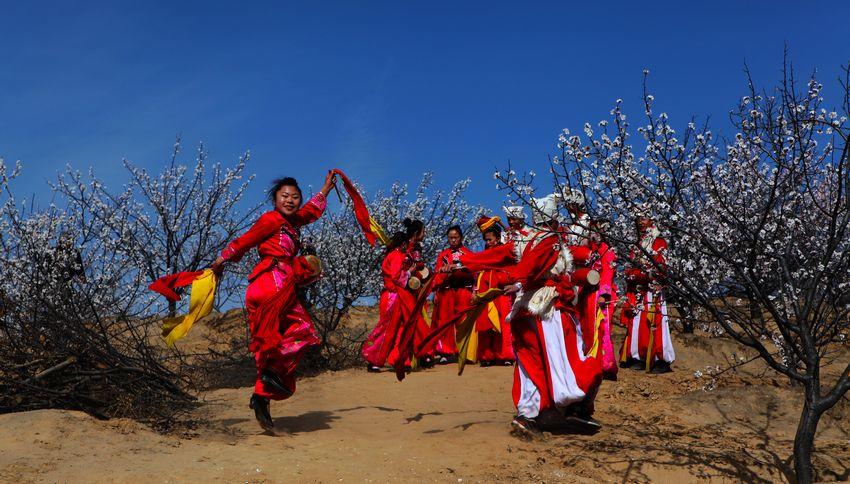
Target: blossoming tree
74,331
757,224
176,220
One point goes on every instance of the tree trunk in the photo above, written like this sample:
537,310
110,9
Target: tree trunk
172,309
804,440
688,319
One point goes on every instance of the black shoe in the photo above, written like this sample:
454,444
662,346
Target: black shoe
660,367
582,424
373,369
610,376
508,363
637,365
260,405
485,364
581,411
272,380
525,428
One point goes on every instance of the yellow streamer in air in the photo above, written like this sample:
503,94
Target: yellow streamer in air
379,232
200,304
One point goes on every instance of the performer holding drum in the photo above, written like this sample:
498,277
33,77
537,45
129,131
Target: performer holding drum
401,269
281,330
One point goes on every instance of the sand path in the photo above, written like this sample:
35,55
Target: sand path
435,426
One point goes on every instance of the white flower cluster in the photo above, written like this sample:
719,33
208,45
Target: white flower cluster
158,224
757,225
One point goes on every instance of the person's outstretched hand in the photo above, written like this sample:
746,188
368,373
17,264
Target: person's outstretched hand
330,183
217,266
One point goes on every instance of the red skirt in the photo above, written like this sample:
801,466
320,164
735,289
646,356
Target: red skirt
281,330
448,302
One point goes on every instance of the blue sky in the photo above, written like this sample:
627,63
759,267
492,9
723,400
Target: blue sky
383,90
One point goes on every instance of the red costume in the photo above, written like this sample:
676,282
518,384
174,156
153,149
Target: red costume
494,333
453,293
395,307
552,370
281,330
422,323
606,302
645,309
595,303
586,305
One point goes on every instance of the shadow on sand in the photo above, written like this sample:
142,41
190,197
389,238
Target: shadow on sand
306,422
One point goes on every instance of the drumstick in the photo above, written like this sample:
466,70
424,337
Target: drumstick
336,189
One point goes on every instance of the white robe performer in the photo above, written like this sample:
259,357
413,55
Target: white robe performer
648,344
552,377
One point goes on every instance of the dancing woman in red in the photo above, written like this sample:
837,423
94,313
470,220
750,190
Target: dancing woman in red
281,330
396,301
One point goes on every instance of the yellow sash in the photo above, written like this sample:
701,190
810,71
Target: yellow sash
200,304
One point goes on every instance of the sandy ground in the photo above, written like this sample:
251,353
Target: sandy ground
436,426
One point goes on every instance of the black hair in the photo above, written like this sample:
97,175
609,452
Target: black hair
455,228
411,228
279,183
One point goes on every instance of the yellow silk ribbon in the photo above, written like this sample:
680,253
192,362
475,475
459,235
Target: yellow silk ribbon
493,316
594,350
425,315
650,321
466,337
492,311
379,232
200,304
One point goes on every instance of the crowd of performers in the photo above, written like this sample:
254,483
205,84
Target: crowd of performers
540,297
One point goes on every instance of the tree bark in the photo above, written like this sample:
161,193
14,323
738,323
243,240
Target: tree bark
804,440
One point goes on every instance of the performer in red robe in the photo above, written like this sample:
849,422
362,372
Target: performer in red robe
554,382
397,300
495,345
281,330
452,291
605,264
578,238
648,344
421,273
